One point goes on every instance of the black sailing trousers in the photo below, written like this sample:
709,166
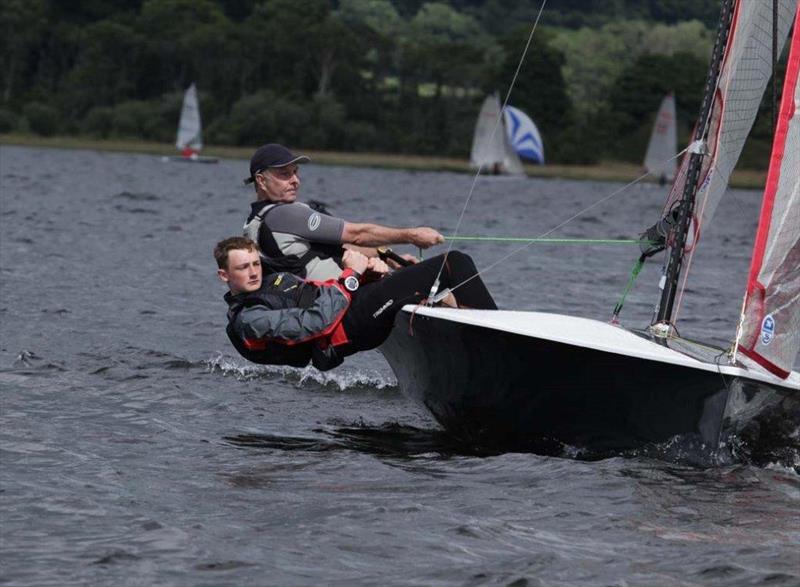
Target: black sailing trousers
370,317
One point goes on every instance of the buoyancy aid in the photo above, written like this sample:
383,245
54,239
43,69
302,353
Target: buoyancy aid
286,291
273,258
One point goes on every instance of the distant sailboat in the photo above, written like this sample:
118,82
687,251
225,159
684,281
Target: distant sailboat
523,135
659,161
491,150
190,135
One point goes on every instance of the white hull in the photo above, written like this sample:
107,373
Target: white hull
601,336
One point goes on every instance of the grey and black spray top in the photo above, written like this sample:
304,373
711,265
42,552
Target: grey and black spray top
296,238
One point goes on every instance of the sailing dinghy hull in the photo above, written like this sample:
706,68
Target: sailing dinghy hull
196,159
513,380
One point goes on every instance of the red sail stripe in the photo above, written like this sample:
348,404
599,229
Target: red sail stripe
770,190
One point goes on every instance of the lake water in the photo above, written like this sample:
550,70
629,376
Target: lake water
138,449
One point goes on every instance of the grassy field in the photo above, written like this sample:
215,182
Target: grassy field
606,171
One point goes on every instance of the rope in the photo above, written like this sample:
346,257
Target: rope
556,241
565,222
637,267
498,123
432,296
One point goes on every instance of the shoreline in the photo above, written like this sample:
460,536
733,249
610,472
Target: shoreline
613,171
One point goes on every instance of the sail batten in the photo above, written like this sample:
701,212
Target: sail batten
770,329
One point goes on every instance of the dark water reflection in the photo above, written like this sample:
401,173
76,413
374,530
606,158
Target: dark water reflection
386,440
136,449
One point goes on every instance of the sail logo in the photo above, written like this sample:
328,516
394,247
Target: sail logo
314,221
706,182
767,329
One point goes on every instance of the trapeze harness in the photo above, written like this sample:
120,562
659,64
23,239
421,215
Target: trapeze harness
273,257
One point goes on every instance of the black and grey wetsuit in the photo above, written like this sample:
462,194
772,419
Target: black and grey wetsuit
294,237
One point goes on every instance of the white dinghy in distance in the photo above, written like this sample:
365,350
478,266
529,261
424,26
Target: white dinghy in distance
189,140
659,161
491,151
510,379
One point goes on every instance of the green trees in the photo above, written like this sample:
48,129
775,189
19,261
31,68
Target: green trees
22,26
388,75
596,58
106,68
617,75
637,93
540,89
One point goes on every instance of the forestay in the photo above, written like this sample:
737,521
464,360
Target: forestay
770,331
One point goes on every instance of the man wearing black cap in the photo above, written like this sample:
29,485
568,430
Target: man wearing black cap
294,237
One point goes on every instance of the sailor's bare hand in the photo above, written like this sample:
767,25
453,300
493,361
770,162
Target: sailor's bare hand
355,261
424,237
377,267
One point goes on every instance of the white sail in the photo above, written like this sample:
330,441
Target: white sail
659,161
746,69
523,135
491,151
770,332
189,128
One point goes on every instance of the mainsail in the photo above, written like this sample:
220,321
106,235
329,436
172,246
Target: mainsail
190,138
770,331
744,72
659,161
523,135
491,151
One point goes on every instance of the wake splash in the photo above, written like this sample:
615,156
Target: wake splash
767,452
308,377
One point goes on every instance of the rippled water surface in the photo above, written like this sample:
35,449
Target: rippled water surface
138,449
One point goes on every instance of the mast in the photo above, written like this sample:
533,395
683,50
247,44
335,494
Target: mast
697,151
774,64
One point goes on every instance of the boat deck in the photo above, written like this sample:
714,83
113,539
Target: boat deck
602,336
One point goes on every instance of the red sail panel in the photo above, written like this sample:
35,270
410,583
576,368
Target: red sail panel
770,332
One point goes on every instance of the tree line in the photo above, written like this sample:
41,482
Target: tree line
404,76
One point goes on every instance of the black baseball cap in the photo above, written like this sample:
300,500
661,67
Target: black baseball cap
272,155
